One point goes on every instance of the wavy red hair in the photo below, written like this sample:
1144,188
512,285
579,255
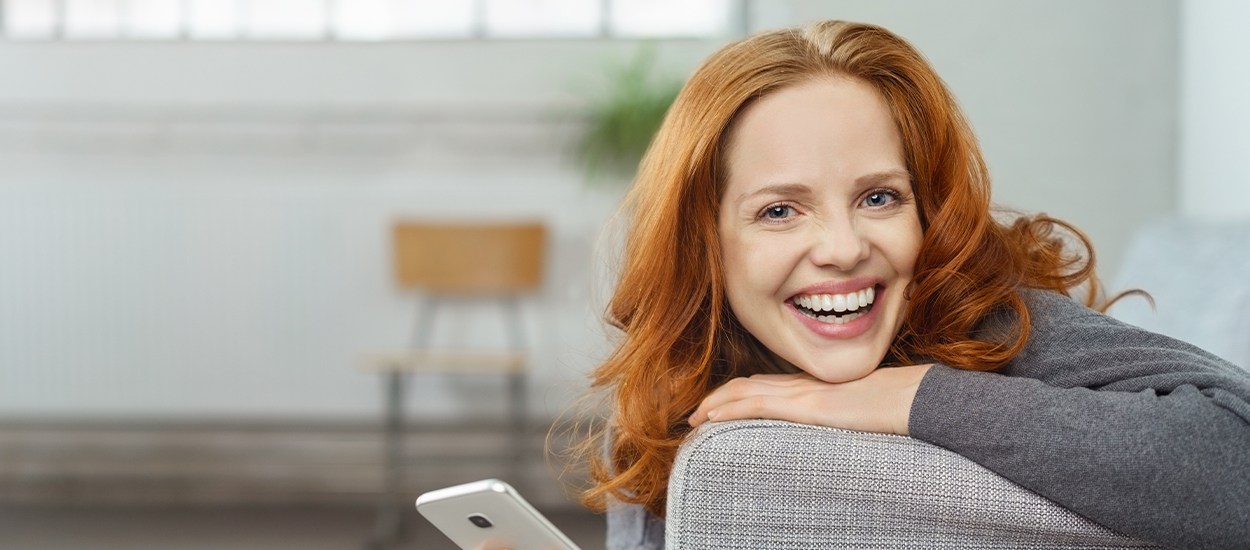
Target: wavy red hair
679,339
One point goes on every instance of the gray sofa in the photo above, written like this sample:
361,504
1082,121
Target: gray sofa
758,484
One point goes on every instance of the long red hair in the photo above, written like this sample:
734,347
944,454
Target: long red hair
679,339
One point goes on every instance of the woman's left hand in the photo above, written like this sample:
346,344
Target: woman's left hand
879,402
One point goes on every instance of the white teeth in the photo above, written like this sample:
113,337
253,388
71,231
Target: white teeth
839,303
839,319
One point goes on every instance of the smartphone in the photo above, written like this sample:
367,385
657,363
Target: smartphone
490,515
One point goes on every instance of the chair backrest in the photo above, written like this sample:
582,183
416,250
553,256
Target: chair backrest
469,258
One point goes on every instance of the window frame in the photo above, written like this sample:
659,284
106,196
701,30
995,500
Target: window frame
737,24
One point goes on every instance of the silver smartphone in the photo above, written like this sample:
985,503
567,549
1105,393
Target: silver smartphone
490,515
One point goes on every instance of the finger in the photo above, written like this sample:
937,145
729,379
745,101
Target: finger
825,406
773,407
736,389
770,384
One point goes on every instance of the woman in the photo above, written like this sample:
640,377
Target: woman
811,240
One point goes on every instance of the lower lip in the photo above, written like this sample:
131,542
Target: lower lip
842,331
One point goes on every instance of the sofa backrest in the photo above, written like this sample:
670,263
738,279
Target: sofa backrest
774,484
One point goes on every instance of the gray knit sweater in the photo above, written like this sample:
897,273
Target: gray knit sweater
1144,434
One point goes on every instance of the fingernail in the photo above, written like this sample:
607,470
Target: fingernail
712,415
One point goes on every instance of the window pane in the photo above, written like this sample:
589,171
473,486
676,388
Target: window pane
530,18
153,18
649,18
434,18
386,19
29,18
92,18
213,19
364,19
284,19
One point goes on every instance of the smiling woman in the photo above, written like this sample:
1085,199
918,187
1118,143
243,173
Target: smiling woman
812,240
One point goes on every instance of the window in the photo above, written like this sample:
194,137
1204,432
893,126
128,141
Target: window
656,18
391,19
363,20
529,18
29,19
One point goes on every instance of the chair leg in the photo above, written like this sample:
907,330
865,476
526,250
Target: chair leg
391,525
520,426
517,394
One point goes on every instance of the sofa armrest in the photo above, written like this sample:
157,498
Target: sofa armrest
773,484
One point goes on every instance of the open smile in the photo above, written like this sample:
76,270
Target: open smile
837,315
836,309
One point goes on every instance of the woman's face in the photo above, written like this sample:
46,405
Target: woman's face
818,226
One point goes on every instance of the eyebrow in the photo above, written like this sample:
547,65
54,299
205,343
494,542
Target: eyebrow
799,189
789,189
880,177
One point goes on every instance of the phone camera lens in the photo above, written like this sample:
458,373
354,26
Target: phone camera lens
480,521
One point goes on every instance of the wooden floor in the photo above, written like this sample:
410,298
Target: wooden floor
255,485
168,464
234,528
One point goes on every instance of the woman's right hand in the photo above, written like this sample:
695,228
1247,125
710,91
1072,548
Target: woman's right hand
879,402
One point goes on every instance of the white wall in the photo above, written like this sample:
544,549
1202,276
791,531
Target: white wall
1215,113
198,230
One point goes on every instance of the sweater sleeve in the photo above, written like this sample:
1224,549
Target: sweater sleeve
1143,434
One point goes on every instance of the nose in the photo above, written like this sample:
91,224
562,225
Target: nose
838,243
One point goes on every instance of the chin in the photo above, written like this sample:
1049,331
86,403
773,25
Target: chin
839,373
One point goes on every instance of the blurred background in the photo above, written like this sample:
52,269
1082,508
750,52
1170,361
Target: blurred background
200,313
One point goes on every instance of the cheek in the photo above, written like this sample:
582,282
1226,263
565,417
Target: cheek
750,270
904,248
733,254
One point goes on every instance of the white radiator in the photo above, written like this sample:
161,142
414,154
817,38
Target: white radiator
249,286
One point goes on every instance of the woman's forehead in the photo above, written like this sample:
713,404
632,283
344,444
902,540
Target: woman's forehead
812,132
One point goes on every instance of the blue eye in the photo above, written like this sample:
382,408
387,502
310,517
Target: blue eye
777,212
877,199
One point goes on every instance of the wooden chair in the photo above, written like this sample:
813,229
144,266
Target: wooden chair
450,264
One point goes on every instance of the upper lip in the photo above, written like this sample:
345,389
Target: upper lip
838,287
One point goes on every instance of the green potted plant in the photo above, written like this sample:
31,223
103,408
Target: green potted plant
621,124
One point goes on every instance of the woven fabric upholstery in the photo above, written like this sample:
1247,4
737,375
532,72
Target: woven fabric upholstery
769,484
